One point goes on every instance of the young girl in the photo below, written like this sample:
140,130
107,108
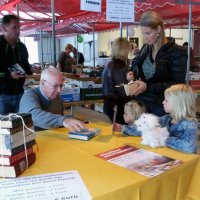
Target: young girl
180,121
132,111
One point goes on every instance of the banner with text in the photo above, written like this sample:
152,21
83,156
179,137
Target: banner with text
120,10
91,5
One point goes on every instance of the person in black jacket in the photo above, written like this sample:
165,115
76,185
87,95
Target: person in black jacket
113,78
160,64
12,52
78,57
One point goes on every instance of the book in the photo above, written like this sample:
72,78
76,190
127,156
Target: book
130,87
144,162
85,134
17,68
11,131
6,143
127,89
12,121
9,152
9,160
17,168
6,139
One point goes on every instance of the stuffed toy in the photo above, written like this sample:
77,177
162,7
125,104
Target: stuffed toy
152,133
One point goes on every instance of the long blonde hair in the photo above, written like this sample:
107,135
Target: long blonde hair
120,49
153,20
182,101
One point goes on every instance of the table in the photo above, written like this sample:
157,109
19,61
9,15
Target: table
78,78
80,103
196,91
106,181
36,77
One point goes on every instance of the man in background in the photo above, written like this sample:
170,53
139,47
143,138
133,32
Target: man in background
45,105
192,60
12,53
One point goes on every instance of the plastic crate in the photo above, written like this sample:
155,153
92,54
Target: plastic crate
91,93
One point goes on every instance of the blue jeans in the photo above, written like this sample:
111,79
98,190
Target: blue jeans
9,103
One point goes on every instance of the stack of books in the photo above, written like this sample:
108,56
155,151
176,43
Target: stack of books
16,151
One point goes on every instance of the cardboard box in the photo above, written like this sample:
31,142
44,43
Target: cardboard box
194,75
70,94
98,107
195,84
85,84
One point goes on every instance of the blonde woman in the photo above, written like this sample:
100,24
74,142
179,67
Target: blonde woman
114,74
160,63
65,61
180,121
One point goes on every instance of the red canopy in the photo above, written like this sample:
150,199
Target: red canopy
70,19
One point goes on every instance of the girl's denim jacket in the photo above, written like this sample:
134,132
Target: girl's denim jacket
183,135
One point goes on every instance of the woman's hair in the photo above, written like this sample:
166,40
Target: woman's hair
120,49
182,101
153,20
69,46
136,108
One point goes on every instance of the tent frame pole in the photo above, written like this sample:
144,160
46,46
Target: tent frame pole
53,32
93,34
120,28
77,49
41,46
189,43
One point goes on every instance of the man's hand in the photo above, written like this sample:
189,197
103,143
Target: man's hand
16,75
73,124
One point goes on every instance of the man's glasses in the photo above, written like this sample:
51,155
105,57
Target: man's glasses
56,86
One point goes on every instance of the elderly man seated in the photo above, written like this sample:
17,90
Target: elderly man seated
44,104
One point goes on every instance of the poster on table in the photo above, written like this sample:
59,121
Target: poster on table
144,162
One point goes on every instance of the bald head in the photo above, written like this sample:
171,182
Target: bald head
50,72
51,82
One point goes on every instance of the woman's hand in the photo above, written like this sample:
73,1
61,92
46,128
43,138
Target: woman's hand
16,75
141,87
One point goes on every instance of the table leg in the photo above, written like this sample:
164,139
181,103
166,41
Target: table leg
72,110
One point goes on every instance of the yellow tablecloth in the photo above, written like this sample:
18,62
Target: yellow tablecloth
106,181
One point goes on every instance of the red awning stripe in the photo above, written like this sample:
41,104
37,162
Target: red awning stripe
9,5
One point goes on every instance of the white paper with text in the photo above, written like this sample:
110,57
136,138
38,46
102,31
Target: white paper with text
54,186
